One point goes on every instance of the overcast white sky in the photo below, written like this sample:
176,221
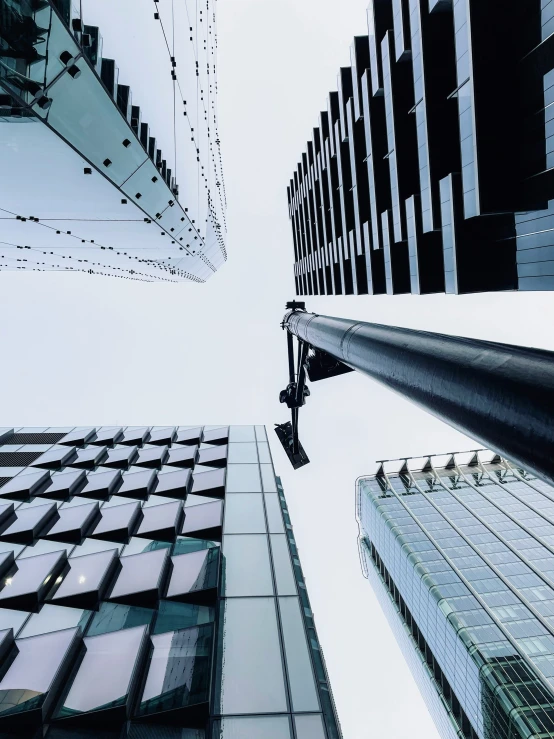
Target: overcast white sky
90,350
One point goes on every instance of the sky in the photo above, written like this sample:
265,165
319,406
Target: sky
80,349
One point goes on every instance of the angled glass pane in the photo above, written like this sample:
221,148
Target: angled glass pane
141,546
252,673
187,544
246,566
56,457
192,573
55,618
182,456
43,546
203,520
284,574
120,457
141,574
174,483
274,514
86,580
12,619
89,457
73,522
40,665
208,483
244,514
27,586
116,617
104,678
137,484
151,457
117,521
253,727
134,435
161,435
189,435
25,485
301,677
243,478
179,670
90,546
100,485
160,521
173,616
64,484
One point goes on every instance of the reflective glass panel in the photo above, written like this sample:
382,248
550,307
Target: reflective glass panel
29,522
24,485
173,484
268,478
193,572
246,565
32,672
245,452
140,572
116,518
141,546
179,671
263,453
243,478
260,433
242,433
54,618
73,518
301,678
31,575
64,484
309,727
137,484
252,673
43,546
104,676
274,514
173,616
101,484
186,544
86,575
160,520
116,617
12,619
284,574
90,546
253,727
204,518
244,514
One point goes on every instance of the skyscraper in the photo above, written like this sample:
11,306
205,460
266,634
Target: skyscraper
151,587
430,169
459,551
139,174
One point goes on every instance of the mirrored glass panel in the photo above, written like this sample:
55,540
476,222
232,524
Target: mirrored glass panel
173,616
89,457
90,546
245,452
173,484
209,483
161,521
55,618
299,666
246,566
55,458
253,727
134,436
182,456
103,680
29,523
141,546
120,457
42,662
43,546
274,514
25,485
186,544
85,582
137,484
243,478
179,671
194,576
252,673
282,565
116,617
309,727
100,485
213,456
152,457
189,436
74,523
140,578
244,514
203,521
117,522
64,484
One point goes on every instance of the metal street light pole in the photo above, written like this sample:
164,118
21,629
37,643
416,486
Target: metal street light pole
499,394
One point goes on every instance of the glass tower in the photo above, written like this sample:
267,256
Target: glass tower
150,588
111,160
417,177
459,550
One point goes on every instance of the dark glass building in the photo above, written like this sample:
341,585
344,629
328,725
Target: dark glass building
431,168
459,550
151,589
64,104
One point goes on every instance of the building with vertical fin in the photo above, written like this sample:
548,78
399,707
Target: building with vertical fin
147,157
459,550
150,587
431,169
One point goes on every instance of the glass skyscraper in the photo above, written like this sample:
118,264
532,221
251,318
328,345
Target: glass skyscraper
135,186
150,588
459,550
418,177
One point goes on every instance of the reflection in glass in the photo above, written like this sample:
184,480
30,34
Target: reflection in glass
179,671
141,546
140,578
86,580
73,522
244,514
103,680
186,544
251,671
137,484
203,521
117,522
12,619
173,484
29,523
173,615
193,573
55,618
253,727
246,565
160,521
116,617
26,588
39,667
64,484
301,678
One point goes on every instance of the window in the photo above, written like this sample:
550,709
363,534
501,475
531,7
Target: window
73,523
85,582
194,576
203,521
24,485
244,514
140,578
301,678
64,484
243,453
161,521
137,484
243,478
246,566
174,483
55,618
29,523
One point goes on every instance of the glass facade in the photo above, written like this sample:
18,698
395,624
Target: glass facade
459,551
456,190
60,92
128,614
